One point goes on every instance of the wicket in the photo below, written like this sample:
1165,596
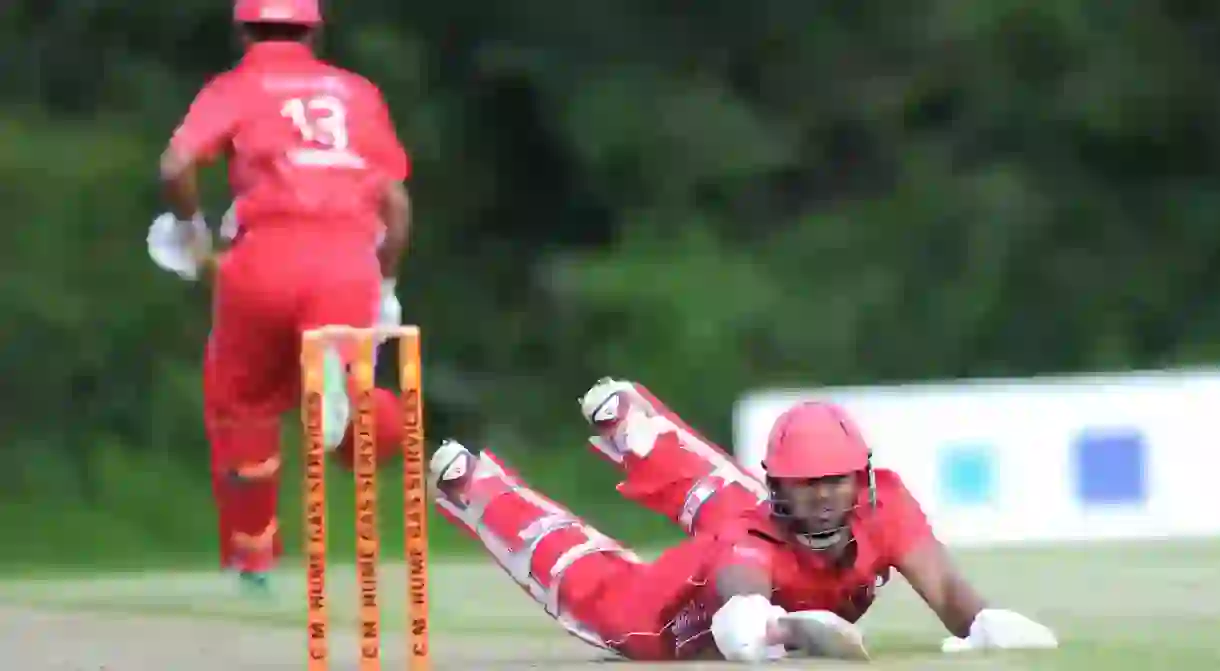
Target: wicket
415,504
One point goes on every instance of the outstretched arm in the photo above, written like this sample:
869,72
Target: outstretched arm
913,549
926,565
942,586
974,625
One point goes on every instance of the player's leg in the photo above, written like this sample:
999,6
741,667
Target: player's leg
563,563
668,466
249,370
388,421
347,295
598,590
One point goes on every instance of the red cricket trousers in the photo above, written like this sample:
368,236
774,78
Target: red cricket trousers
598,590
270,287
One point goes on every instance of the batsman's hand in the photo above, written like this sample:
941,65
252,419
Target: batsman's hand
821,633
998,629
181,247
741,629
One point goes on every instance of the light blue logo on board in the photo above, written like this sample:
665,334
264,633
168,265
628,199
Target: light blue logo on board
967,474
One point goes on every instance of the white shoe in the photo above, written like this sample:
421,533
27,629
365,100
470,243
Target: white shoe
336,406
602,406
451,470
820,633
605,407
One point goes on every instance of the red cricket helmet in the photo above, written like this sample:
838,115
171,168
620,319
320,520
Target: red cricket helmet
295,12
812,440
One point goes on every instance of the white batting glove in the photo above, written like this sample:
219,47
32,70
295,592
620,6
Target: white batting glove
180,247
821,633
739,629
998,629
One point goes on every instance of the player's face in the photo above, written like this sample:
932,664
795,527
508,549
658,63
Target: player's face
820,505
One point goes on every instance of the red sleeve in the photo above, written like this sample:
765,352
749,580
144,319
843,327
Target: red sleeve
904,525
751,551
209,124
389,155
742,546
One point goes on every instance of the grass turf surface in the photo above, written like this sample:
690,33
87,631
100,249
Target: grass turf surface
1118,607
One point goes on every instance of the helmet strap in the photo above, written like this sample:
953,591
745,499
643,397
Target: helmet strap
872,481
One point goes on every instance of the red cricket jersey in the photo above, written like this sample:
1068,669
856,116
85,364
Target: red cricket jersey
803,579
666,613
309,144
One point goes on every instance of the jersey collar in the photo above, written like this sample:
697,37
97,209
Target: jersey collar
276,52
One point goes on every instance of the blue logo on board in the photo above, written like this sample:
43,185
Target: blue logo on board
1110,465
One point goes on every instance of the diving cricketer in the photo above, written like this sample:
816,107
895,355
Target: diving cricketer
774,567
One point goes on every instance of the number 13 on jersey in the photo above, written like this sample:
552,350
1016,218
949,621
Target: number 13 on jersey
319,120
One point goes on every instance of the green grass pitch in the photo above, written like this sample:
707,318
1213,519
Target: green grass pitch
1117,607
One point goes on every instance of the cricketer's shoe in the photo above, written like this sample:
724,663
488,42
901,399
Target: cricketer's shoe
451,472
607,403
256,584
605,407
625,421
820,633
336,406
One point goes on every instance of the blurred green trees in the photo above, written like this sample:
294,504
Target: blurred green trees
707,196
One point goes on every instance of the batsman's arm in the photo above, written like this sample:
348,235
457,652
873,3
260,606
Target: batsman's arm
391,160
207,128
973,624
747,625
396,216
180,185
924,561
942,586
739,579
